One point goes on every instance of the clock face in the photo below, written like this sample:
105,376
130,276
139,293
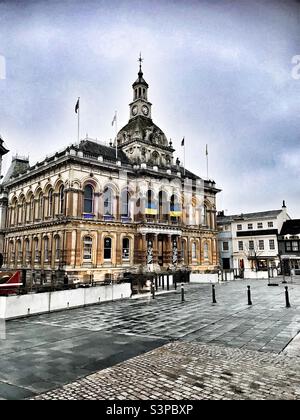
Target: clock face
134,110
145,110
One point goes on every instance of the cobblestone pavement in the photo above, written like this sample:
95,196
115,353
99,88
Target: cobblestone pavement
190,371
47,351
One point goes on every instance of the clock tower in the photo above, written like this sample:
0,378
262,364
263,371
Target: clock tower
140,139
140,104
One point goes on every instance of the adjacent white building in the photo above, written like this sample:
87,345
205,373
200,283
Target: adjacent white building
248,243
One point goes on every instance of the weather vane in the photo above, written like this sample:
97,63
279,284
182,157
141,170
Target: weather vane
140,60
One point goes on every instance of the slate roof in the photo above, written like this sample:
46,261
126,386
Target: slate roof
17,166
249,216
291,227
96,149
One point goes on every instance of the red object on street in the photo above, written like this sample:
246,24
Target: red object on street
9,282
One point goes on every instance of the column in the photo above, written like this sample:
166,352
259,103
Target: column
118,249
155,249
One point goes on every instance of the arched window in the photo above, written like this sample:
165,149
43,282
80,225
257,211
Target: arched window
14,212
46,249
183,250
31,209
19,252
87,248
36,250
205,219
88,205
140,92
27,250
50,203
107,248
126,249
12,250
206,256
163,207
194,251
150,209
57,247
62,199
125,203
175,208
24,208
40,206
108,202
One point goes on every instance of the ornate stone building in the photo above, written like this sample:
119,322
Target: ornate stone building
94,209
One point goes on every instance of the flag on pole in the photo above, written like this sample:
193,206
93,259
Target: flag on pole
206,151
182,142
77,106
114,119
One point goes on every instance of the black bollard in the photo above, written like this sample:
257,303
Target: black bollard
175,284
168,282
249,295
153,290
182,292
213,294
287,300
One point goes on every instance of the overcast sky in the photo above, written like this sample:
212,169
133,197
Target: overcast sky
220,73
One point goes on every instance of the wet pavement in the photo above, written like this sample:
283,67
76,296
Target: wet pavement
46,351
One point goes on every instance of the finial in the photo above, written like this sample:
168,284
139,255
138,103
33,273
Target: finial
110,143
140,60
170,143
283,204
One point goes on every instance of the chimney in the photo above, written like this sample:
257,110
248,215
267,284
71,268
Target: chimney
283,204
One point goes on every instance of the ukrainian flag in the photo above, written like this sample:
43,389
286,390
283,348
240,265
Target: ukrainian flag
175,210
151,209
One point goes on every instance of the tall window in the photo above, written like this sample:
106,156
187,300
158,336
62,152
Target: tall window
125,203
241,245
250,225
40,206
108,203
251,245
27,250
24,208
50,203
87,248
36,249
261,244
88,199
225,246
194,251
31,209
295,245
62,199
57,247
126,249
19,250
239,227
175,210
183,250
12,251
270,224
163,206
107,248
272,244
206,251
204,216
46,249
150,209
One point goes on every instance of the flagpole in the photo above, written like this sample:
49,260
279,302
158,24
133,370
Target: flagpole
206,162
184,157
78,118
116,135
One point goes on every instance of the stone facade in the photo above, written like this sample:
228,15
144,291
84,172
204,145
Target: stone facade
92,211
